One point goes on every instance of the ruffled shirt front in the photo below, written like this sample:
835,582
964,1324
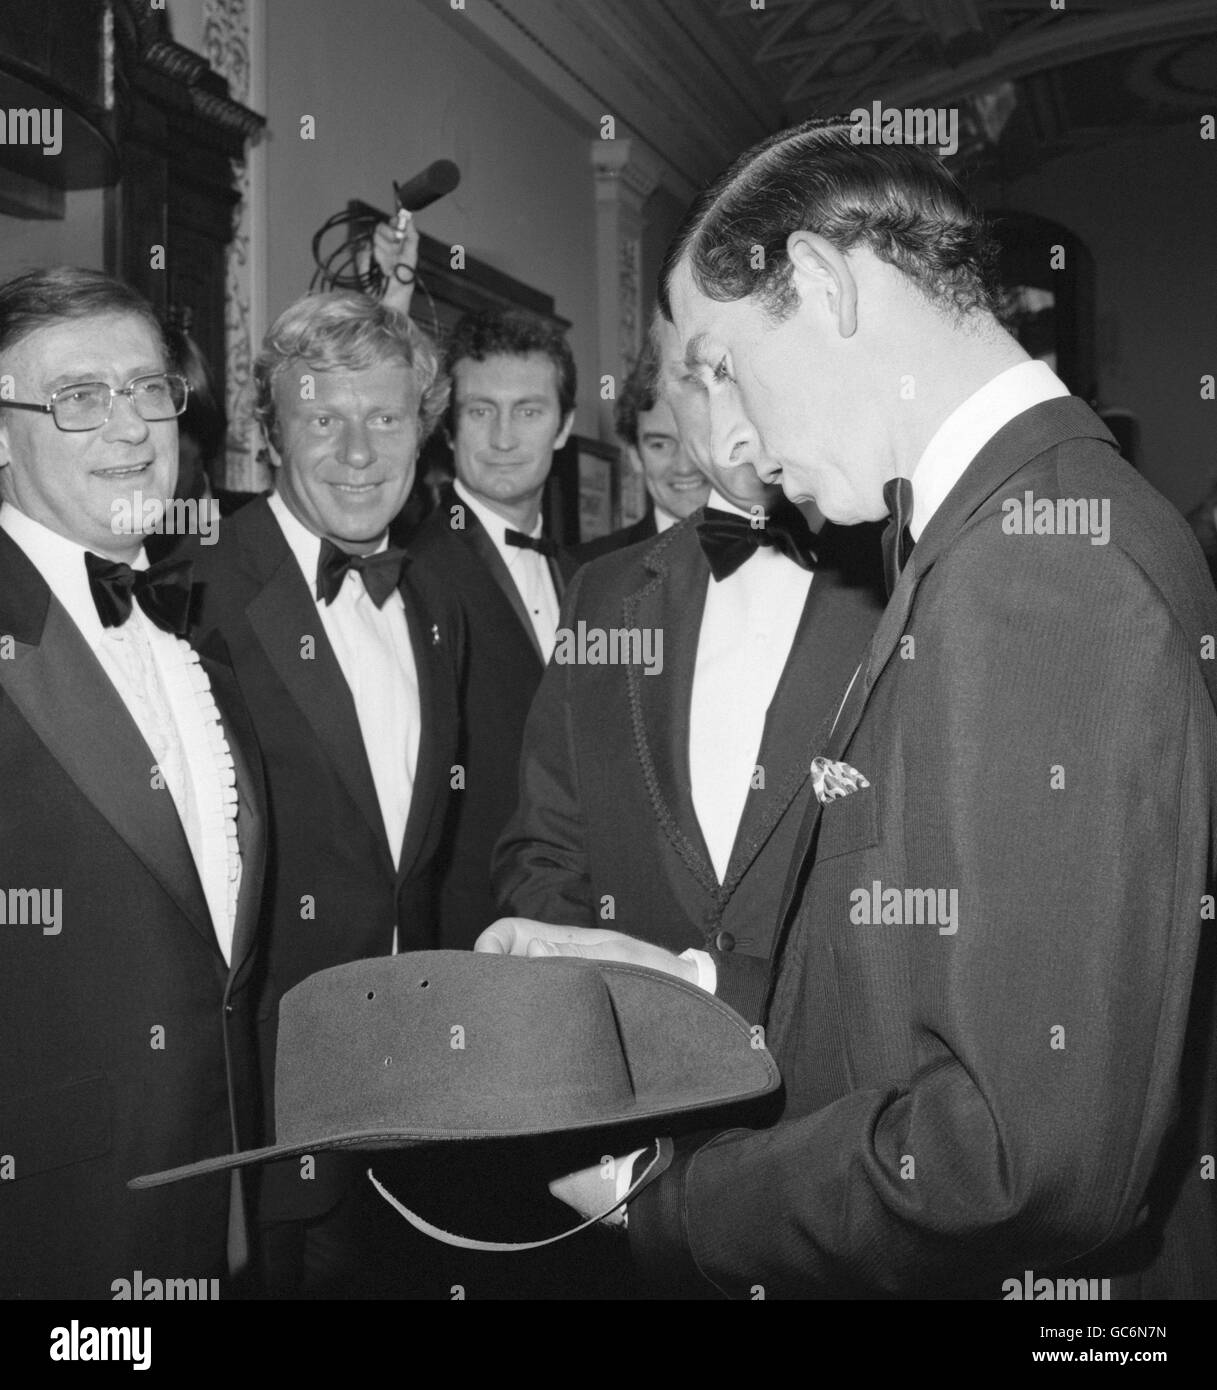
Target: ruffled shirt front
167,693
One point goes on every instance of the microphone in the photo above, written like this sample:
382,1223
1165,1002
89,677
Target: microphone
425,188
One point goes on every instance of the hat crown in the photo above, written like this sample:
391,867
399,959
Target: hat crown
447,1042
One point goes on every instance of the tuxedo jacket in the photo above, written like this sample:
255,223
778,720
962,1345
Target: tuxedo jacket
605,833
1020,1077
333,892
642,530
126,1038
455,560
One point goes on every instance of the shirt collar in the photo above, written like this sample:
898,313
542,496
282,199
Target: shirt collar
495,526
721,504
303,544
664,521
61,562
970,426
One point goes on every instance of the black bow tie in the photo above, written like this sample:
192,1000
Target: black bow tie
163,591
381,573
897,542
727,540
541,544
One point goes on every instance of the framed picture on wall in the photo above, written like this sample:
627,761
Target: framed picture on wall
597,500
632,494
582,495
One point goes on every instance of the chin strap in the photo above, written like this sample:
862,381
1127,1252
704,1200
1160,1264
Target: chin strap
659,1162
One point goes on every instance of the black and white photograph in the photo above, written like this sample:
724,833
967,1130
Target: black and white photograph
608,673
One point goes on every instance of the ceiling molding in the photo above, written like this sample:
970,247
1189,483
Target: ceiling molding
687,97
1055,46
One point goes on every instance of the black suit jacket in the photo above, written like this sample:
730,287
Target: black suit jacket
1035,1090
455,560
642,530
125,1039
333,893
605,822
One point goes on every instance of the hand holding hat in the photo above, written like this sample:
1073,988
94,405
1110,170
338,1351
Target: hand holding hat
520,936
457,1047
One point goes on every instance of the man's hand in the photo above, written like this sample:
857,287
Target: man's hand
396,254
518,936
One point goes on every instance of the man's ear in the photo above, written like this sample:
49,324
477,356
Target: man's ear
270,444
819,268
635,458
564,433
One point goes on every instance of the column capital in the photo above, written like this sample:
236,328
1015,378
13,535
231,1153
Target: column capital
624,166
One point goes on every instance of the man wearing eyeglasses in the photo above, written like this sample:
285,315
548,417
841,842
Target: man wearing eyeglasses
130,825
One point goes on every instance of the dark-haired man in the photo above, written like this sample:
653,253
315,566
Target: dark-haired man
993,999
131,841
663,800
513,401
647,428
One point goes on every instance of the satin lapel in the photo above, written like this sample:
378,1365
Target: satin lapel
562,568
281,614
1013,447
671,602
484,548
437,712
251,812
65,696
822,658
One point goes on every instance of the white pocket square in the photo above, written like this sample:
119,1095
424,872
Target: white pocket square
833,780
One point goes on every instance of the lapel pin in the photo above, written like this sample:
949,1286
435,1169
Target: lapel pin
435,634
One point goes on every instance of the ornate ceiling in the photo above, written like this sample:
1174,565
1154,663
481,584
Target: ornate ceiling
696,81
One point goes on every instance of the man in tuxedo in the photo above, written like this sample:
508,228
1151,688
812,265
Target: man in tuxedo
351,681
664,803
647,428
992,1004
513,400
131,826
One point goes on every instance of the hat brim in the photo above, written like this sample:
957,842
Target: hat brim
699,1055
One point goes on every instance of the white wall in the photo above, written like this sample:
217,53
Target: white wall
392,87
79,239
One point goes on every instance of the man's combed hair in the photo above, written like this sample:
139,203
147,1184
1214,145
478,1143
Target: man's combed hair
900,201
347,330
40,298
513,333
639,393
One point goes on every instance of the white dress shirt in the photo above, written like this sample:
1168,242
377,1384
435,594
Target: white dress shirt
151,671
970,426
954,445
747,629
664,521
376,658
529,570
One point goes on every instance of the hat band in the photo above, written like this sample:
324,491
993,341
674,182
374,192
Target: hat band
659,1162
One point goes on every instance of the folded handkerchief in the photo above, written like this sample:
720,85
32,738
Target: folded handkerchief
833,780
